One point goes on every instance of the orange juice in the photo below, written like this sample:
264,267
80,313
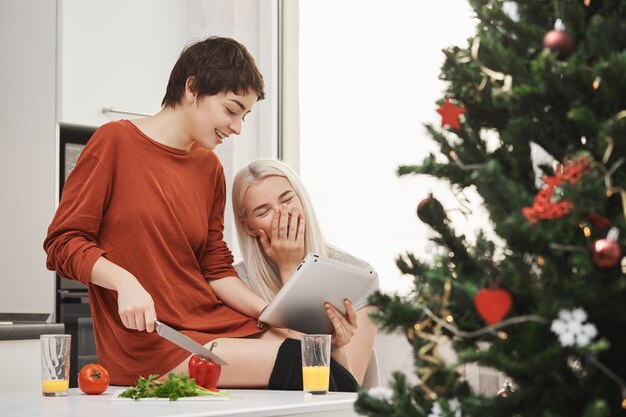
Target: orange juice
315,378
54,386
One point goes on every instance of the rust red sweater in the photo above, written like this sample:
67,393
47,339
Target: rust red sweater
157,212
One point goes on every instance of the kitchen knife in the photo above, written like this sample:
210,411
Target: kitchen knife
186,342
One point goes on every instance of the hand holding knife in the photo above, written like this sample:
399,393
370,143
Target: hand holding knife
186,342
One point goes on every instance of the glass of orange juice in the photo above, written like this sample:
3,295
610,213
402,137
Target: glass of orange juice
55,364
315,363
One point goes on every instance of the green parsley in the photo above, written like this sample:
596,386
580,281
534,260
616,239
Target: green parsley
174,387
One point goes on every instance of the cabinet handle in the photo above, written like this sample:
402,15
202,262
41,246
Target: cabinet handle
122,111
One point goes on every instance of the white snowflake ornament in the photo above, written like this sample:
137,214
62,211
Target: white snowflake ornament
570,329
579,315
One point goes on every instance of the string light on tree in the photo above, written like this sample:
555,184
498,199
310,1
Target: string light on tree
596,82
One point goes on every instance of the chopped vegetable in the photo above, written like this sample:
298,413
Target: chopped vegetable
174,387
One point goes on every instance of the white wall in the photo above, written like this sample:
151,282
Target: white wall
253,23
116,53
31,105
27,131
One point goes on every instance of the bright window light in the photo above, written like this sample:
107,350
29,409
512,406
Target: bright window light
369,80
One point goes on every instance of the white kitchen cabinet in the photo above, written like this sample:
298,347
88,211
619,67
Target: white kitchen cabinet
116,53
27,153
20,361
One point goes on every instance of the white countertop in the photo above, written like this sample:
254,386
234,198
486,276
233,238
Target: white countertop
248,403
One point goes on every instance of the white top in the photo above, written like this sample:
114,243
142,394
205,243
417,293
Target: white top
243,403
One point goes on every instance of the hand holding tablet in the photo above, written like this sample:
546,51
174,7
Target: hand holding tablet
299,305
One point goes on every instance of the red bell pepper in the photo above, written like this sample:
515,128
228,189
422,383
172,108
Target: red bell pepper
205,372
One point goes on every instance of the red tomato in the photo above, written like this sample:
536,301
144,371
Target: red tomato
93,379
205,372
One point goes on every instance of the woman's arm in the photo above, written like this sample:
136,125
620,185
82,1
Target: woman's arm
216,261
134,304
234,293
359,350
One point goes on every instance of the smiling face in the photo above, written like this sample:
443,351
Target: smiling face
212,119
260,200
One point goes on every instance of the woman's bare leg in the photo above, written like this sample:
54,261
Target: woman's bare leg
250,360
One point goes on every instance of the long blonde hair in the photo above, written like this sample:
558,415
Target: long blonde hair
262,273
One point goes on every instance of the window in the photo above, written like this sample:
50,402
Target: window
368,82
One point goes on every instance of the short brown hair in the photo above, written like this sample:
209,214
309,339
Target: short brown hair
217,65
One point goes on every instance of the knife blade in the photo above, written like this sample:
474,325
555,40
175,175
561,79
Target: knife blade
186,342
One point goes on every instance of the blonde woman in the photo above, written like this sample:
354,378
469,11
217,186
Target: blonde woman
277,227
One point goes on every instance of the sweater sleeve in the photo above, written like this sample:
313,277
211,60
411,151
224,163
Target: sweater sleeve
217,260
72,241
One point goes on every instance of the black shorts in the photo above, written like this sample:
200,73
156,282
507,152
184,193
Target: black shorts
287,372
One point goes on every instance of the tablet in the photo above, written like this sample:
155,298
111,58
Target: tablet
299,305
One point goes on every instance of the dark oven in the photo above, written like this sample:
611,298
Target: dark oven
72,301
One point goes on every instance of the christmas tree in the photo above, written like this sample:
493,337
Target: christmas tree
544,301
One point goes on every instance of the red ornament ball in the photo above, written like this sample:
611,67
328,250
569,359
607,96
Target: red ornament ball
559,41
606,253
